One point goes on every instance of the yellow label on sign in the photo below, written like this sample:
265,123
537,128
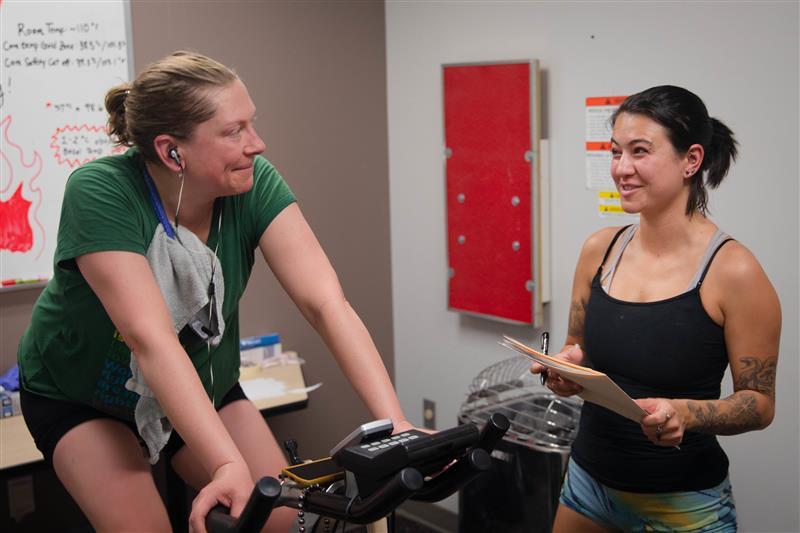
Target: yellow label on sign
609,205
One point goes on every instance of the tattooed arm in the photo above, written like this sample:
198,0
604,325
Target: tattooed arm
750,407
577,319
737,292
752,322
591,255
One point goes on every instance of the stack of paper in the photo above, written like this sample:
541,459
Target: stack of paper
597,387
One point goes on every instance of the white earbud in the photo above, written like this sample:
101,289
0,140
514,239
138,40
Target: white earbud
173,154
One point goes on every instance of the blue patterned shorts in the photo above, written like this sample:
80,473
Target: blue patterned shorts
709,510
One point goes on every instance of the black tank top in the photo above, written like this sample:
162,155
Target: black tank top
670,349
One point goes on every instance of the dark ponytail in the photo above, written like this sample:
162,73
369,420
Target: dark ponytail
723,148
685,117
720,152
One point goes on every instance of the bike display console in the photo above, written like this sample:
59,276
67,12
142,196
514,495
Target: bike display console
371,462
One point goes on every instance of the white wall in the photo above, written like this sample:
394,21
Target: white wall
741,58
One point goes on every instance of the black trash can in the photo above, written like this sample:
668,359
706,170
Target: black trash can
520,492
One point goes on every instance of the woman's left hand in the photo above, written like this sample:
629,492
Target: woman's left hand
663,425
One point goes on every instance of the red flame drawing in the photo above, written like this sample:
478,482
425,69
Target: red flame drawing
16,232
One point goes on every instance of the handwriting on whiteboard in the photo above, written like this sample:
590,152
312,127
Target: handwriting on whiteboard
50,45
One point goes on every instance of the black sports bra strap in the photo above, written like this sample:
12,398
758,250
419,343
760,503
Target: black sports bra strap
710,259
611,245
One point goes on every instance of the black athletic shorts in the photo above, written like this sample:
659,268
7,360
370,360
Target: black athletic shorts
48,420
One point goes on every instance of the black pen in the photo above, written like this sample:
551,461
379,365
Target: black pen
545,348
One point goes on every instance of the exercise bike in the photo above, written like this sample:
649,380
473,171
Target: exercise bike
367,476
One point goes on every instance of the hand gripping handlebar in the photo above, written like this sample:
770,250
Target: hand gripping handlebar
255,514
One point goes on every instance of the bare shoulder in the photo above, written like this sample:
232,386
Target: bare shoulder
736,265
596,244
737,277
592,252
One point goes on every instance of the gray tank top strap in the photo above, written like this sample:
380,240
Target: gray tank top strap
717,240
608,272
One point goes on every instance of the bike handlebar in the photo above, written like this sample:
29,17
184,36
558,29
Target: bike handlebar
493,431
405,484
455,477
255,513
367,510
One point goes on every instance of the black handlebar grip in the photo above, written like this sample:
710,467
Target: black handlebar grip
219,521
480,460
255,513
260,504
493,431
465,470
387,499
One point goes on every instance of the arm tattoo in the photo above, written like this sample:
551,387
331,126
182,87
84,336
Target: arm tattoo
738,412
577,316
735,414
757,375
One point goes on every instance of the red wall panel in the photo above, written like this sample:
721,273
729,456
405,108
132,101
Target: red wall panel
488,138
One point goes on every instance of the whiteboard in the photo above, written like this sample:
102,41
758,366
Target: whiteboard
57,61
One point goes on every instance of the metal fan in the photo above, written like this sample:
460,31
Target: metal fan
539,419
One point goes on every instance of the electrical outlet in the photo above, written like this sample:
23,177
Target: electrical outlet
428,414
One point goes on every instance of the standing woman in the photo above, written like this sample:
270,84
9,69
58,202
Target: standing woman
663,307
137,333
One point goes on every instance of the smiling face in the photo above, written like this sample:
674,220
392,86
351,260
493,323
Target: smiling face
649,174
219,155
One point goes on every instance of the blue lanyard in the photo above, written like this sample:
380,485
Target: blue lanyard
157,205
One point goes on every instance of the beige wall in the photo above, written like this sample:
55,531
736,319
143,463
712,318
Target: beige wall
316,72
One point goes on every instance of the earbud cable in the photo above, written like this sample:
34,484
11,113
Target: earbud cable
180,196
211,291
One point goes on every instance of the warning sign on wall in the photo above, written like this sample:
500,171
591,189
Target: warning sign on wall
599,110
598,141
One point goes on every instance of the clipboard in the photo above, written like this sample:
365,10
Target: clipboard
598,388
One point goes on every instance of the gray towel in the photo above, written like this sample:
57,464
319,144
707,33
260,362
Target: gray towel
183,270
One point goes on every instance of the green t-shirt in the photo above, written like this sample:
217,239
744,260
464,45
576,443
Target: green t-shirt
71,349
